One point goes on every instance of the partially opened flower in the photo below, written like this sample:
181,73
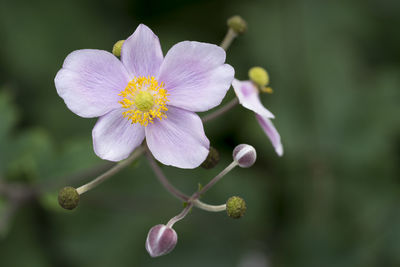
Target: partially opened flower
147,95
248,95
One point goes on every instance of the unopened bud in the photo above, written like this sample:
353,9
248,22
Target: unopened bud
259,76
117,48
235,207
161,240
68,198
238,24
212,159
244,155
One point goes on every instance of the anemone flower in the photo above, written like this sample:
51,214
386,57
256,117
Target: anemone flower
147,95
248,96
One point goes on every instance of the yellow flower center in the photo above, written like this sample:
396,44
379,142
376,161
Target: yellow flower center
144,100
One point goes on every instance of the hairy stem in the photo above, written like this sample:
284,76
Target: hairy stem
204,206
176,192
114,170
213,181
180,216
229,37
194,198
163,179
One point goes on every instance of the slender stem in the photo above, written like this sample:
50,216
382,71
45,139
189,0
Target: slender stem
176,192
114,170
48,186
221,111
180,216
194,198
213,208
163,179
229,37
213,181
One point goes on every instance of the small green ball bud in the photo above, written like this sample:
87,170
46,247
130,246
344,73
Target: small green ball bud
238,24
212,159
68,198
259,76
117,48
235,207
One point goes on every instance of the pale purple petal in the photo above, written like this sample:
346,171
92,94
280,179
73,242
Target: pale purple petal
272,133
161,240
115,137
249,97
90,81
179,140
195,75
141,53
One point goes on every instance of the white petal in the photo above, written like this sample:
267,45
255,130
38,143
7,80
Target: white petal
195,75
141,53
90,81
179,140
272,133
249,97
115,137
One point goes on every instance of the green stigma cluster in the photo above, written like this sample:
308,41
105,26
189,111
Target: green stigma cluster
68,198
235,207
237,24
212,159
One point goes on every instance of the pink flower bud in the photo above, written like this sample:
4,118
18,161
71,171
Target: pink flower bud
244,155
161,240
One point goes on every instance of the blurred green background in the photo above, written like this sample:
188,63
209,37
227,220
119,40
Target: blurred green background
332,200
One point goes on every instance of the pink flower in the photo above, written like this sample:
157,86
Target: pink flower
248,96
147,95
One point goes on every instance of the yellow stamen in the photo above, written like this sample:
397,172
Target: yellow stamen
267,90
144,100
259,76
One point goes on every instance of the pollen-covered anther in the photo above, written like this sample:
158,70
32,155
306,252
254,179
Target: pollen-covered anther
259,76
144,100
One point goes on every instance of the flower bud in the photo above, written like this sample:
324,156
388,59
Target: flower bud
68,198
244,155
259,76
117,48
238,24
235,207
212,159
161,240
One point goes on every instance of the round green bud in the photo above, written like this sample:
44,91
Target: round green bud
235,207
117,48
68,198
259,76
238,24
212,159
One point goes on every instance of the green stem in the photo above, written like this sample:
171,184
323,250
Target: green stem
114,170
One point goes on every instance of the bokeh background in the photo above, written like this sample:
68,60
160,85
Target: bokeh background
332,200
